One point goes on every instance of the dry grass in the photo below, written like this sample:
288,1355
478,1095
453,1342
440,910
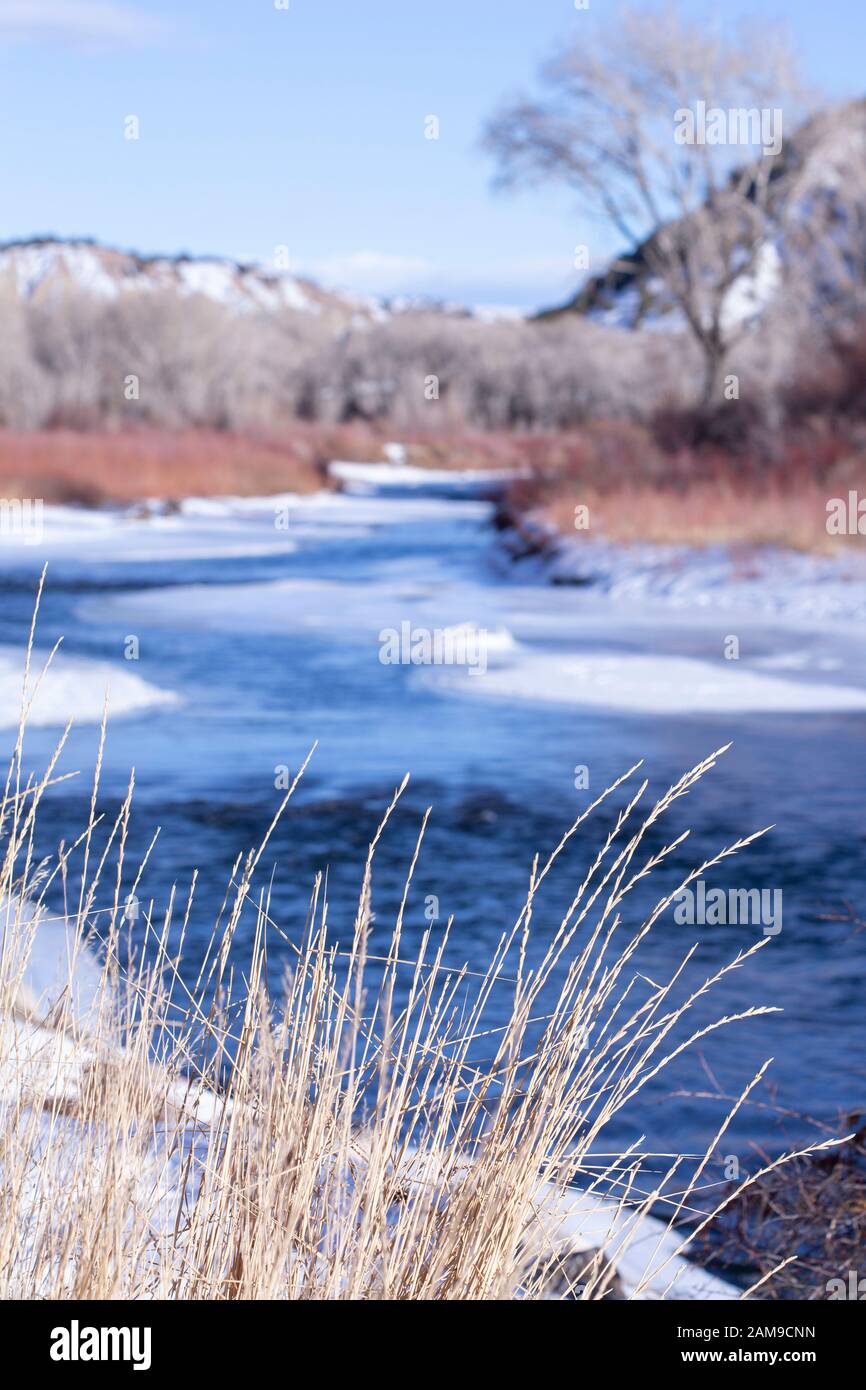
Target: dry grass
707,513
815,1206
635,490
201,1139
638,490
102,466
93,467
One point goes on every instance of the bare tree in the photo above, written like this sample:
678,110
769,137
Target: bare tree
658,127
25,388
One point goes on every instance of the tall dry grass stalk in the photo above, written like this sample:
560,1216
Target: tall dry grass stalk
172,1138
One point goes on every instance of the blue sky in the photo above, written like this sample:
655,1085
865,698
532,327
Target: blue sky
304,127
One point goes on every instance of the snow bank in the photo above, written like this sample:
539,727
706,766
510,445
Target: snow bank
643,1249
203,529
767,582
73,688
646,684
51,961
402,479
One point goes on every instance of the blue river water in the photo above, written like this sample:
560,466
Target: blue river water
270,643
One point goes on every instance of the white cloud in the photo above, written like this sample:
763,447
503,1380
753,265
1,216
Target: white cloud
99,20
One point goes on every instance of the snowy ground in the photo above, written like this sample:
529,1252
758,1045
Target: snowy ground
764,582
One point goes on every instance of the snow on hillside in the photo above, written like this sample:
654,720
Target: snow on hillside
42,269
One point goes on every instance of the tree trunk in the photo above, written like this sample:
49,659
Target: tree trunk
714,363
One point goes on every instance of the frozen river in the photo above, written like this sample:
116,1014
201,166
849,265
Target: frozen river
235,635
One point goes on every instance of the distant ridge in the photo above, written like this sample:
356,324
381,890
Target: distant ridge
42,267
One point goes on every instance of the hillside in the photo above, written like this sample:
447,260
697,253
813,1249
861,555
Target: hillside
43,268
818,183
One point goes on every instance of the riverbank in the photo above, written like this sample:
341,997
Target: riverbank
611,480
772,582
93,468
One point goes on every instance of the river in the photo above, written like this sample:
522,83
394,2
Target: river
255,631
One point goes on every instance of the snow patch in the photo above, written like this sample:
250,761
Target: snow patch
646,685
397,478
44,268
72,688
763,582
